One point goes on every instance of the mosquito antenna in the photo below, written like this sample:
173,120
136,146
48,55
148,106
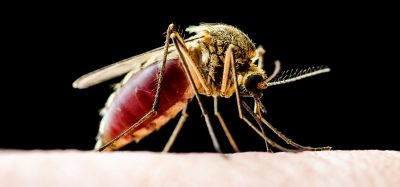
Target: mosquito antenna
294,75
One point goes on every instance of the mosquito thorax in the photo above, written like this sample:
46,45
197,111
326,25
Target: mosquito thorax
209,52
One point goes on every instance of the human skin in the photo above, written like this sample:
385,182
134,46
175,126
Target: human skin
86,168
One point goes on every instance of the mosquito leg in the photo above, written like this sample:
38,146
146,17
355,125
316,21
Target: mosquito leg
223,124
157,96
271,142
290,142
260,63
224,88
185,58
225,76
229,58
260,52
177,129
229,54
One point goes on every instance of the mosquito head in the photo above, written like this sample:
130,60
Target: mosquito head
254,85
256,82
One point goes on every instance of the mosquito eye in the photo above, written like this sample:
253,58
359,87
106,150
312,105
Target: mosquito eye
252,81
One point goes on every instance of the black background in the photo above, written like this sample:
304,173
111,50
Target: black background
352,107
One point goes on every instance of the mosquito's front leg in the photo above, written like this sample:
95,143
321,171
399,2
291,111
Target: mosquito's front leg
291,142
257,106
225,73
271,142
186,59
257,111
229,55
229,63
157,96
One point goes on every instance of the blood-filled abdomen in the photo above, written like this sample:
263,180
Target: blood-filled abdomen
135,99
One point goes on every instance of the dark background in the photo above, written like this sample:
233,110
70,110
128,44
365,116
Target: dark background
352,107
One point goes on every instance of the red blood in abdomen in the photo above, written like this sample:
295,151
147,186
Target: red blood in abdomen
136,97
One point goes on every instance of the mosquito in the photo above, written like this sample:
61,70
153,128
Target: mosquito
218,61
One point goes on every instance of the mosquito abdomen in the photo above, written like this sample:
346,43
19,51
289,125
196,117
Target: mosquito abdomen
135,99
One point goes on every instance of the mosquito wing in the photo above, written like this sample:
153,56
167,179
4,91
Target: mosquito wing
135,63
115,70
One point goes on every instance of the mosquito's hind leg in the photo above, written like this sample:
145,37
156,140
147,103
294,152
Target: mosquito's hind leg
224,127
177,129
156,99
